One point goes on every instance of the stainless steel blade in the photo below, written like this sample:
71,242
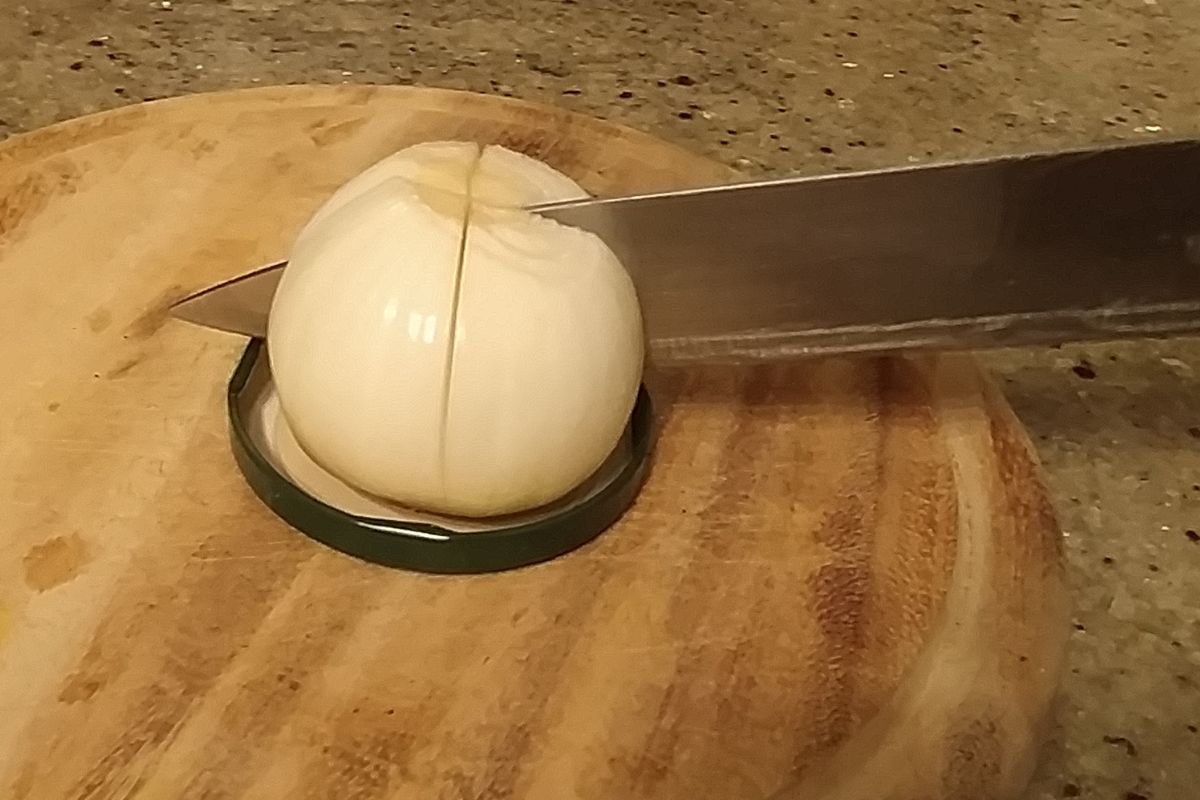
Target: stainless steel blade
239,305
1033,249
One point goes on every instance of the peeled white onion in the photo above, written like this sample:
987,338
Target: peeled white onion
435,345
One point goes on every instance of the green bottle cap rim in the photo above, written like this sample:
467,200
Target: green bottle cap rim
424,546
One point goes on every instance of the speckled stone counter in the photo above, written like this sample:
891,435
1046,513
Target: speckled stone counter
806,85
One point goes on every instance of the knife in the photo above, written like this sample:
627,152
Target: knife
1100,243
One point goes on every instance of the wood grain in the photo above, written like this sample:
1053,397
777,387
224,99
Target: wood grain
842,579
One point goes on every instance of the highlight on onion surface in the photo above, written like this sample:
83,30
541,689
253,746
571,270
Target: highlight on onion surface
434,344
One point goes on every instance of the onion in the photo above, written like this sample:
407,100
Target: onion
435,345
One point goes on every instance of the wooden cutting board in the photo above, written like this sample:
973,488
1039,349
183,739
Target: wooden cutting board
842,579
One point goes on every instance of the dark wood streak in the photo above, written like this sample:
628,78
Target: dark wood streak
840,587
300,651
651,768
326,133
21,202
177,636
222,596
360,764
912,559
366,748
71,135
1029,559
1032,510
975,757
509,749
156,312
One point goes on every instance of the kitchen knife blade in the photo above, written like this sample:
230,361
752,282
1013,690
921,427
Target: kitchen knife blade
1042,248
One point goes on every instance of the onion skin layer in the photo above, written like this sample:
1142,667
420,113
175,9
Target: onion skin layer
435,345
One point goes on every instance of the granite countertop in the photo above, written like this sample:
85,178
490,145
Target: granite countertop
806,85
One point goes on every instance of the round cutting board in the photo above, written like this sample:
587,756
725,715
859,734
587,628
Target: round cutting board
841,579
